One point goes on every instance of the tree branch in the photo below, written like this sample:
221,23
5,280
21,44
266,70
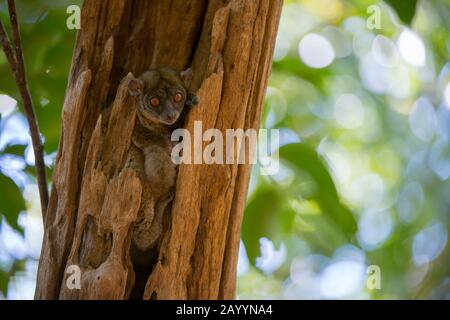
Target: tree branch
14,56
7,49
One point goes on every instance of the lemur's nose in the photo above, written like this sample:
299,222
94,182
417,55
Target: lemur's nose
171,116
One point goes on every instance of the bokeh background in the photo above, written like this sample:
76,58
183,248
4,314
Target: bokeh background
364,120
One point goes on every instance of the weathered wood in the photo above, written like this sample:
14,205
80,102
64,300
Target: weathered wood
96,194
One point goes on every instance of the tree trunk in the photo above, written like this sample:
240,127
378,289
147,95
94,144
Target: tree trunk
96,193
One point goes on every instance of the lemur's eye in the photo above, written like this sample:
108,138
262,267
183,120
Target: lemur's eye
178,97
155,102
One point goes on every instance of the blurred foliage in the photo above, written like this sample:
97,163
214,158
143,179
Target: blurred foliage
365,160
324,193
404,9
47,47
11,202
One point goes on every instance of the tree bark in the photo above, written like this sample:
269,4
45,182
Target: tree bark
96,193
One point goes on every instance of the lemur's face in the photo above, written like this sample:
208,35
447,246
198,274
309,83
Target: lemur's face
163,102
162,95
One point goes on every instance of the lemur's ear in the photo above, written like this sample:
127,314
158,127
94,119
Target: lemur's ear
186,76
135,87
192,100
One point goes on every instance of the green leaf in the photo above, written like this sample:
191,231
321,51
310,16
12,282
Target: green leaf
405,9
4,279
266,215
15,149
304,159
11,201
8,273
